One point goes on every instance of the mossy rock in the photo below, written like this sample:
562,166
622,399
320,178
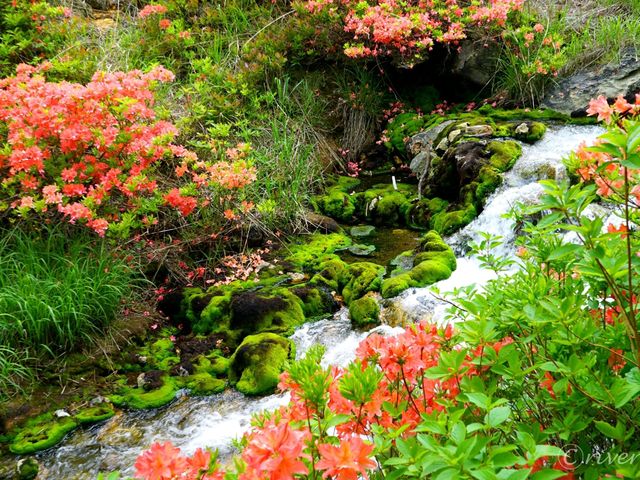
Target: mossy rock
447,222
213,364
362,277
279,311
435,262
139,399
258,362
503,154
202,384
215,315
385,205
337,205
28,469
364,312
42,436
316,301
96,414
309,254
332,273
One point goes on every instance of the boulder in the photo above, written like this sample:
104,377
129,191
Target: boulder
257,363
572,95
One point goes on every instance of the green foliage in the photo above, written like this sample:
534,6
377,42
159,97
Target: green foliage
56,293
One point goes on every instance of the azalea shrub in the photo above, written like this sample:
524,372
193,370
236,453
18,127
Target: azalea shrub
29,31
98,155
408,30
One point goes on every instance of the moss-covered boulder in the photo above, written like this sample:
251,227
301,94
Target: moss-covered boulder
201,384
140,399
279,311
98,413
362,277
258,362
436,261
337,202
43,435
311,251
364,312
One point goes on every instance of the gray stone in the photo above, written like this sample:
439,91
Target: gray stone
362,230
360,250
522,129
476,62
479,130
322,222
572,95
453,135
420,141
419,162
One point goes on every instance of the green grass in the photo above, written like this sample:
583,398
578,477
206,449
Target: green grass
56,294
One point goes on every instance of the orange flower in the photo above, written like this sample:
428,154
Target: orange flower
229,215
346,461
601,107
161,462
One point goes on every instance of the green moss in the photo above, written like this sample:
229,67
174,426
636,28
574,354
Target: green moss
257,363
213,363
95,414
215,315
447,222
503,154
201,384
428,272
138,399
337,204
434,263
394,286
313,250
28,469
364,312
403,126
331,273
363,277
42,436
278,311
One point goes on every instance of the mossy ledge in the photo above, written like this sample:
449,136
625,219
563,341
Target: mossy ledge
435,261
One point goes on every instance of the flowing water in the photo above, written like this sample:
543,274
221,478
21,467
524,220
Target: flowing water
217,420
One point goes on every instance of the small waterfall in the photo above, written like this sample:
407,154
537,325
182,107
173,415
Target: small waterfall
217,420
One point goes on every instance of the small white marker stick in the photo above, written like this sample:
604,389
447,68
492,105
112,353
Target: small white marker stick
393,180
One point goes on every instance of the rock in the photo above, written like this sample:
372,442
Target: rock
257,363
297,277
475,62
454,134
435,262
479,130
321,222
572,95
420,162
140,399
98,400
420,141
361,250
100,413
362,230
61,413
364,312
362,277
522,129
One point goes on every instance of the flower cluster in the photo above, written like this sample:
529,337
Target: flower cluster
389,27
333,413
91,152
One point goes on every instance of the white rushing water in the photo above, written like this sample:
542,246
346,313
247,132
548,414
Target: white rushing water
217,420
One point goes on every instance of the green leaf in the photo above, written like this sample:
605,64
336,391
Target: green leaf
548,474
547,451
617,432
563,251
497,416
